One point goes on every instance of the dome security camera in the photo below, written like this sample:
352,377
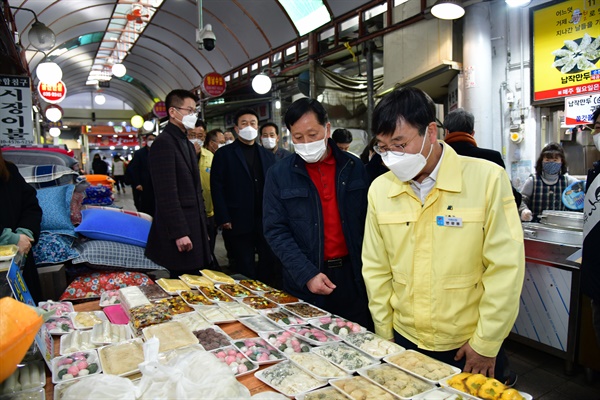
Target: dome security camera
205,38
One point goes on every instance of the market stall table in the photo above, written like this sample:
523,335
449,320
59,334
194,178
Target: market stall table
234,329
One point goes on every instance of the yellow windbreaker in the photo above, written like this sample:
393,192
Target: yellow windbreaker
441,286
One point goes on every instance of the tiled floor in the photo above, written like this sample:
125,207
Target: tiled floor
540,374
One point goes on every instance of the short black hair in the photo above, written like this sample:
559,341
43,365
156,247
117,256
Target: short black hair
201,123
210,135
274,125
407,104
303,106
245,111
176,97
459,120
342,135
551,150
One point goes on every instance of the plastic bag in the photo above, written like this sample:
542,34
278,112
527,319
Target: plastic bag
105,387
191,375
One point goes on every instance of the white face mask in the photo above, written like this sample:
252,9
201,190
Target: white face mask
408,166
596,139
223,144
149,143
311,152
269,143
248,133
189,121
227,142
199,142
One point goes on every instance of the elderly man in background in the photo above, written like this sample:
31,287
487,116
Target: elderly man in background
269,138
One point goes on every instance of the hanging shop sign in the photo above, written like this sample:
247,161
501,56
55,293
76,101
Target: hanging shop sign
213,85
566,49
159,110
52,94
16,116
579,109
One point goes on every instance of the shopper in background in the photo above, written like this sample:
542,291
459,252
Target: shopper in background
443,254
459,127
269,137
20,220
118,172
229,135
138,175
314,215
237,180
214,140
178,239
590,265
342,138
373,163
543,191
99,166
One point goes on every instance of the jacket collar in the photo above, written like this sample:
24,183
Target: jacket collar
449,176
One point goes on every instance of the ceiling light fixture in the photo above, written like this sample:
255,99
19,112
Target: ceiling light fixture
137,121
49,72
40,36
517,3
261,83
99,99
448,9
54,132
53,113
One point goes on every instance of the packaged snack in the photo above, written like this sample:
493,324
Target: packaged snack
360,388
59,325
132,297
396,381
87,319
256,286
176,305
109,298
216,315
280,297
61,307
193,320
116,314
195,281
122,358
75,365
337,325
421,365
313,335
258,350
234,290
327,393
8,251
193,298
317,366
373,345
106,333
215,295
258,302
305,310
172,286
240,364
217,276
76,341
288,379
238,309
148,315
286,343
259,324
284,318
171,335
154,292
27,377
347,358
212,338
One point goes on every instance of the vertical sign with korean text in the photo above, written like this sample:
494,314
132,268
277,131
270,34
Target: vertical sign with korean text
579,109
566,49
16,124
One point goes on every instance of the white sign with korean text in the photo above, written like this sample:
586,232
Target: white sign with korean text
579,109
16,124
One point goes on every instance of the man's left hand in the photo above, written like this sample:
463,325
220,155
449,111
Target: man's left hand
476,363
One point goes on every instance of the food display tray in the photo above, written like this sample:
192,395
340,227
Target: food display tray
193,320
259,350
27,377
372,344
287,378
239,310
336,325
116,314
255,286
234,290
109,298
313,335
216,315
212,338
195,281
171,286
305,310
347,358
367,389
215,295
283,317
237,361
76,341
107,333
286,342
77,365
194,298
87,319
393,359
259,324
326,393
444,384
281,297
413,386
122,358
8,251
317,366
258,302
171,335
217,276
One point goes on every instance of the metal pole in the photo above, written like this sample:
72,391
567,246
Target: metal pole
200,24
369,47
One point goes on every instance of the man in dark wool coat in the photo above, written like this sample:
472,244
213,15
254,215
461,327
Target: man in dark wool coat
178,239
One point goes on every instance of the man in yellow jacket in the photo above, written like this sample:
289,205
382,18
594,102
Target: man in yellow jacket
443,253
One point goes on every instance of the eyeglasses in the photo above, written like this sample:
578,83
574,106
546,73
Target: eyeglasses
399,149
189,110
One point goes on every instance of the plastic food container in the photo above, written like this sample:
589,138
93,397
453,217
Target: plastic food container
238,309
217,276
234,290
281,297
74,366
176,305
258,350
8,251
337,325
425,367
444,384
154,292
76,341
193,320
236,360
288,379
116,314
214,295
148,315
171,286
313,335
107,333
123,358
396,381
258,302
212,338
259,324
305,310
255,286
317,366
87,319
326,393
286,342
372,344
171,335
195,281
216,315
28,377
63,308
283,318
32,394
59,325
109,298
360,388
347,358
132,297
194,298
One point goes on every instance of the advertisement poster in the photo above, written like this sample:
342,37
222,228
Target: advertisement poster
579,109
566,49
16,117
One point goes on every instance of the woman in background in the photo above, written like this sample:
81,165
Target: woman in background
544,190
20,219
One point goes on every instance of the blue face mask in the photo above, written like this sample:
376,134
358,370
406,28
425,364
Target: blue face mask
551,167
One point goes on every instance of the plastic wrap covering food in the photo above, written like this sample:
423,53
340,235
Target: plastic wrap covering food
256,286
215,295
147,315
396,381
238,309
172,335
424,366
258,350
359,388
172,286
87,319
193,320
327,393
109,298
344,356
132,297
238,363
103,386
212,338
194,298
286,342
280,297
74,366
60,323
195,281
122,358
154,292
337,325
305,310
106,333
259,324
176,305
317,366
217,276
76,341
373,345
234,290
216,315
284,318
313,335
258,302
288,379
26,378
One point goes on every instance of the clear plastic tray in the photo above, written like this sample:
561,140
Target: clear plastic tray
258,350
347,358
360,388
76,341
59,325
444,384
286,342
109,298
216,315
8,251
193,320
28,377
326,393
87,319
63,308
216,276
313,335
305,310
259,324
234,290
32,394
75,366
337,325
258,302
236,360
372,344
212,338
255,286
123,358
171,286
176,305
215,295
412,362
283,317
281,297
317,366
195,281
288,379
107,333
172,335
194,298
238,310
396,381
